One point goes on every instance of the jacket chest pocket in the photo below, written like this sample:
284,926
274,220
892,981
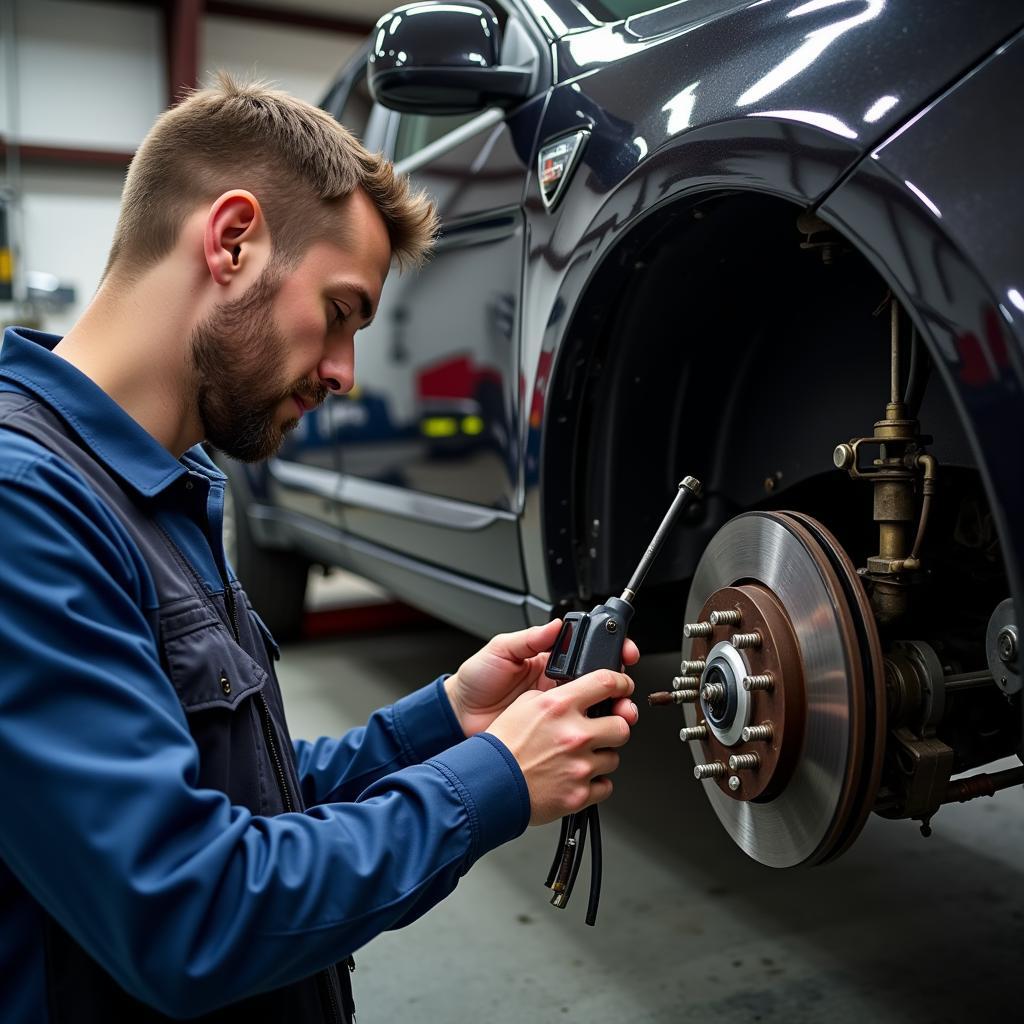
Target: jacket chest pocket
220,688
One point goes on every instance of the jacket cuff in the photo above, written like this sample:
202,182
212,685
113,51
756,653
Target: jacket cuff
425,722
488,779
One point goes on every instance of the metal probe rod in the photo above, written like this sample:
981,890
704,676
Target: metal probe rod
688,487
894,326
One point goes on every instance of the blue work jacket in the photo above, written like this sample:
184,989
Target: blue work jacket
189,902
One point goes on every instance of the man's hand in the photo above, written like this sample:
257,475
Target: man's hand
563,754
510,665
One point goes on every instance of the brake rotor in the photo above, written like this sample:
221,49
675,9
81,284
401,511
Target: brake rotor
790,704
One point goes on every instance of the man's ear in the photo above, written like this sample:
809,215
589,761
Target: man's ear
236,241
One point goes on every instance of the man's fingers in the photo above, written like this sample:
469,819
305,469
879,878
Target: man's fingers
609,731
630,653
526,643
605,762
600,790
597,686
625,708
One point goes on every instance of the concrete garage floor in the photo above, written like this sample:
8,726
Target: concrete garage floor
900,929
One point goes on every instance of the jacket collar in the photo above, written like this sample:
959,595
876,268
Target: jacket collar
114,438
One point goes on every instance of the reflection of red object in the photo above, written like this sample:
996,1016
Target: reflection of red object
454,378
550,172
974,371
361,619
539,387
979,361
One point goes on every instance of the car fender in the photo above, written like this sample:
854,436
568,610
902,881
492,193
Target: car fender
647,149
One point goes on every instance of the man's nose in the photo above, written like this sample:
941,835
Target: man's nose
337,368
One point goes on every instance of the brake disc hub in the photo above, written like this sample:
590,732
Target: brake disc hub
755,719
788,728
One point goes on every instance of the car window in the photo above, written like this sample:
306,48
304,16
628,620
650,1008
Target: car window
355,114
415,131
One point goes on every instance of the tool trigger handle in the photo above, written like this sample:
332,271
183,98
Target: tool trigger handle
565,653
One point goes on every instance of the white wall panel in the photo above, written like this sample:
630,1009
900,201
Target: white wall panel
301,61
69,217
90,75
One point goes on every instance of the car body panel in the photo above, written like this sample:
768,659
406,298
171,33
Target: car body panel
789,123
788,98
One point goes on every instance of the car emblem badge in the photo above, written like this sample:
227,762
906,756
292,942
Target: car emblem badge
554,164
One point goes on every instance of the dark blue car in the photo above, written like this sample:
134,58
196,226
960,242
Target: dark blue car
775,245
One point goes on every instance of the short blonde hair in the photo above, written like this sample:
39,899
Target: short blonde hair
295,158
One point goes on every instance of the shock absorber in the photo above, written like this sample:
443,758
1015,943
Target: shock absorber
901,460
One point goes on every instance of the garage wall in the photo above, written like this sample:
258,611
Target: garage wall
91,75
300,61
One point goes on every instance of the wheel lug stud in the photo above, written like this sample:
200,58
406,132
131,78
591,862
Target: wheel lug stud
712,693
693,732
757,732
692,666
676,697
726,618
685,682
692,629
764,682
739,762
734,782
709,771
743,640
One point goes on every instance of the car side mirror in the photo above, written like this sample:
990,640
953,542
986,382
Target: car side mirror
442,58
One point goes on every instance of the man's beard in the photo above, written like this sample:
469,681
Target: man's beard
235,354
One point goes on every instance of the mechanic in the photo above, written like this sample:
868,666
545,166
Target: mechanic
167,849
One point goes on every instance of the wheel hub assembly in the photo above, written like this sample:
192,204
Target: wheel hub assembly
783,680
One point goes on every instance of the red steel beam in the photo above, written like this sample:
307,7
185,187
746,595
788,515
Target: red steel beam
67,155
287,16
181,20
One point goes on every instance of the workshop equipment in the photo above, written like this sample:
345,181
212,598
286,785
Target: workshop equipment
589,641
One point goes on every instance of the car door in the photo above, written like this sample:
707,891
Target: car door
434,473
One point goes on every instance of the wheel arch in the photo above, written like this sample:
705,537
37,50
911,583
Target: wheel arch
761,156
586,385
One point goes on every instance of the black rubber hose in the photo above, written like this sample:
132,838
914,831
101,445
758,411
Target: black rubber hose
557,861
595,865
581,843
917,374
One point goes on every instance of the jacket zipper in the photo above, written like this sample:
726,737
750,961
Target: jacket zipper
330,979
268,735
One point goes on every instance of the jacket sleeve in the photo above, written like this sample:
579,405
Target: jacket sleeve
407,732
105,826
